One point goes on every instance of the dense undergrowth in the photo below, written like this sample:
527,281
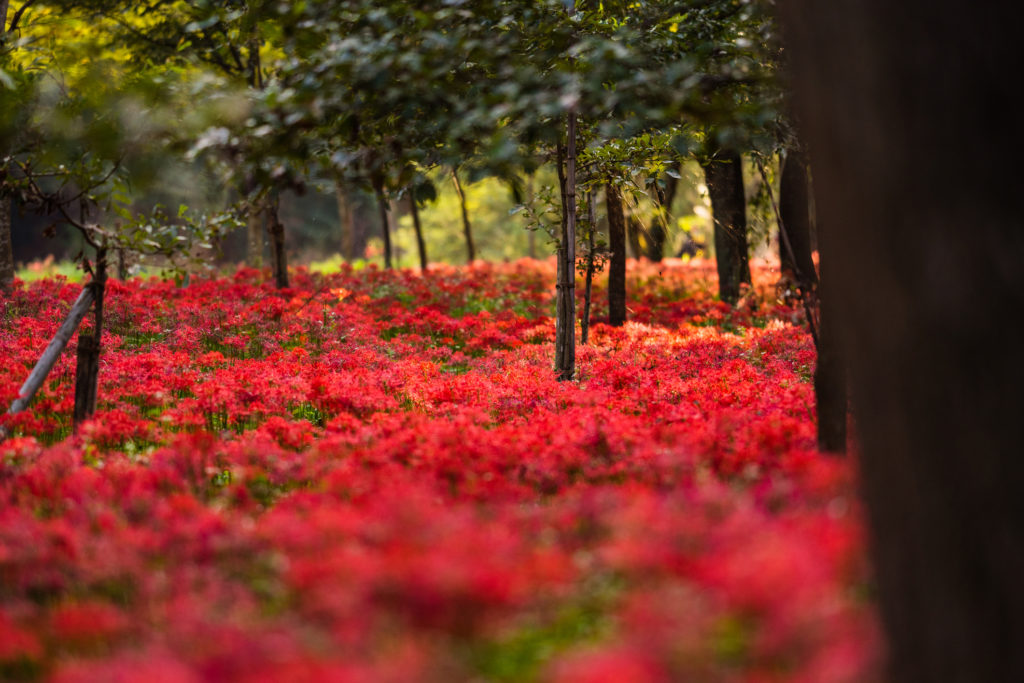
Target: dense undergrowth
374,476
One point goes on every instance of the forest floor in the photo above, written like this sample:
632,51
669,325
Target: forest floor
374,476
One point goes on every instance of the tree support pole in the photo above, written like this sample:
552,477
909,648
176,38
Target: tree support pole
52,353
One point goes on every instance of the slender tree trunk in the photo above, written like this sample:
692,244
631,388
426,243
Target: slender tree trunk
466,227
724,177
89,346
830,392
617,261
531,235
658,232
926,266
122,266
346,220
589,286
6,252
565,329
633,230
795,224
277,251
254,237
655,250
421,246
385,227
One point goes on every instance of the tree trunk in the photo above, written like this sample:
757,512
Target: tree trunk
346,220
658,232
254,238
421,246
122,266
795,226
926,266
633,230
724,177
565,328
655,246
589,284
617,261
6,252
830,390
531,235
385,227
277,251
466,227
87,367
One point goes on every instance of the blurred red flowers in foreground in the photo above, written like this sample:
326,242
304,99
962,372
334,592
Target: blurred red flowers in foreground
376,477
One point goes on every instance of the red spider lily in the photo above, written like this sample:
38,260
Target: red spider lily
377,477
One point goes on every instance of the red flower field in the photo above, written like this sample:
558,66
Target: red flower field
374,476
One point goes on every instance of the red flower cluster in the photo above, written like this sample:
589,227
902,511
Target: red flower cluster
374,476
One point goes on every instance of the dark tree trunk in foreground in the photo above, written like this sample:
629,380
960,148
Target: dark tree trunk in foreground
927,266
6,252
421,246
617,260
385,227
723,175
467,228
278,255
795,227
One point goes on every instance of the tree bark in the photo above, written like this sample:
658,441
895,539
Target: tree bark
723,175
122,266
421,246
830,386
277,251
926,266
87,368
385,227
565,328
467,229
617,261
588,288
531,235
795,224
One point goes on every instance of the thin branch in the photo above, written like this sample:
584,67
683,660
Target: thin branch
18,14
